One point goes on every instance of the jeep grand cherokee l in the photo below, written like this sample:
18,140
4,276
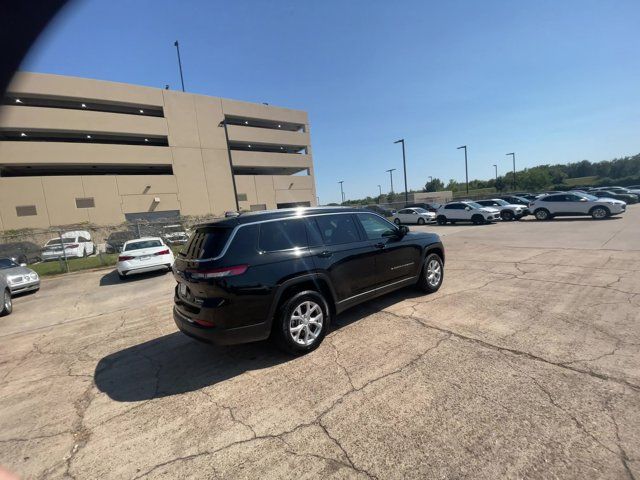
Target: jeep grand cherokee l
285,273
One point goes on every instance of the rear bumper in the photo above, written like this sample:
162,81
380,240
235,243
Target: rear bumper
218,335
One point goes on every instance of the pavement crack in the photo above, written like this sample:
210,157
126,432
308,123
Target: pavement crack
624,457
521,353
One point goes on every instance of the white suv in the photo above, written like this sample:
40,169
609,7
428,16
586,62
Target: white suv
466,211
569,204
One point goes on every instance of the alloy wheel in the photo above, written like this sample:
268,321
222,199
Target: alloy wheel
599,213
433,272
305,323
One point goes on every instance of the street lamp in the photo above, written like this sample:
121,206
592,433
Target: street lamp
496,167
466,171
391,176
175,44
404,165
341,191
513,156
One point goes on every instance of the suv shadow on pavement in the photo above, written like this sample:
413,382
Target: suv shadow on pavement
112,278
175,364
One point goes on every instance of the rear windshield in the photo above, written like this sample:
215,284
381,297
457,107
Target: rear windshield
56,241
142,244
206,242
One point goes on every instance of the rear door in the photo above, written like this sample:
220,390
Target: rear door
405,215
555,204
397,257
338,248
453,211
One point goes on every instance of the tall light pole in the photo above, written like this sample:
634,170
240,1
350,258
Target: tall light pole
390,171
496,167
380,189
466,170
341,191
513,156
404,165
175,44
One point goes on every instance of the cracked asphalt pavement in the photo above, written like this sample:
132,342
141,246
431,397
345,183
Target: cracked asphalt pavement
526,364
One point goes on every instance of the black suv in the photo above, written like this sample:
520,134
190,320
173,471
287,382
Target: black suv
284,273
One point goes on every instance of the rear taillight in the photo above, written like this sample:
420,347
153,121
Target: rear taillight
162,252
124,258
219,272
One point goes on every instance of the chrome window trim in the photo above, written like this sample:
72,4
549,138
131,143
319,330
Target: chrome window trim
238,227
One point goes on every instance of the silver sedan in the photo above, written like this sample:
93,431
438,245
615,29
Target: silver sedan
19,278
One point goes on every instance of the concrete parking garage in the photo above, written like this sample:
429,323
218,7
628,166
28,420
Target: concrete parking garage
526,364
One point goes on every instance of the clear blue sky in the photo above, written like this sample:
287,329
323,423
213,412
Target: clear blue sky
554,81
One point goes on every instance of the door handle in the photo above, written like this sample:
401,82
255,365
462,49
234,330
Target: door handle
379,245
325,254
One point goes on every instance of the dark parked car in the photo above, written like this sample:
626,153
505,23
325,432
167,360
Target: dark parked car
429,207
284,274
515,200
21,252
385,212
625,197
116,240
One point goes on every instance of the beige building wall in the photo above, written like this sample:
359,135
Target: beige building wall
192,172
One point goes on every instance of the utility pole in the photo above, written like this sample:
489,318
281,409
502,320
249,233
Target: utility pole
391,176
175,44
466,169
513,156
404,165
341,191
496,167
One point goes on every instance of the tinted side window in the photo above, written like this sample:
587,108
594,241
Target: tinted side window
554,198
282,235
452,206
405,210
244,242
376,227
337,229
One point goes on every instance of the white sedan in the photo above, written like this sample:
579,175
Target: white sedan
144,255
414,215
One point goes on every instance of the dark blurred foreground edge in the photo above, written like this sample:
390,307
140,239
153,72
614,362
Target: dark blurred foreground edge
21,22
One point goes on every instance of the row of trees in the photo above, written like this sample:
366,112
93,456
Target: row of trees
619,171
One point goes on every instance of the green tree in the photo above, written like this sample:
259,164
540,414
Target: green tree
434,185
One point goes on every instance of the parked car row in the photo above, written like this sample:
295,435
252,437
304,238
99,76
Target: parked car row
597,203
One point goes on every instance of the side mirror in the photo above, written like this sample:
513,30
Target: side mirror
467,208
403,230
23,264
583,199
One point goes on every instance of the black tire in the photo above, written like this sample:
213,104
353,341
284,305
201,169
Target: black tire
282,334
431,279
599,213
507,215
7,303
477,219
421,221
396,221
542,214
441,219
